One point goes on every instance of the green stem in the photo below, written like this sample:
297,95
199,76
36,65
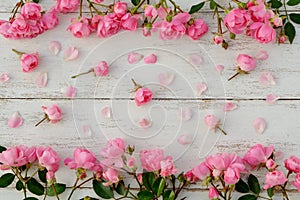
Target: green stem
176,6
83,73
235,75
94,8
220,193
134,9
285,10
73,188
18,5
180,187
221,130
42,120
45,195
18,52
32,175
80,9
55,192
84,182
18,175
258,196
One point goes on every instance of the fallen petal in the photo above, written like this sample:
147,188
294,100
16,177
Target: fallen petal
166,78
134,57
87,130
262,55
184,139
145,123
151,59
200,88
220,68
54,47
186,114
15,120
195,59
266,78
42,80
4,78
106,112
259,125
70,92
229,106
71,53
271,98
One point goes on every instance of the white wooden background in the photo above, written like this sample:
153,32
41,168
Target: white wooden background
21,94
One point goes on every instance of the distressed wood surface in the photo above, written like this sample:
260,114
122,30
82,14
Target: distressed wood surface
21,94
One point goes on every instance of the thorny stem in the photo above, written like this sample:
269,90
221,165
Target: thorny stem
45,118
83,73
236,74
220,129
73,188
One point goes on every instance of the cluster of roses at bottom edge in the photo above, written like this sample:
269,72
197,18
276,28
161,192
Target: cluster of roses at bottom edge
119,158
228,167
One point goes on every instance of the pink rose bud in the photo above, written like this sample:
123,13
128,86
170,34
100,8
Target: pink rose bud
79,28
197,29
274,178
282,39
53,114
277,21
296,182
130,162
213,193
245,64
142,96
150,11
218,39
83,159
66,6
31,11
237,20
29,62
270,164
120,8
101,69
212,122
292,164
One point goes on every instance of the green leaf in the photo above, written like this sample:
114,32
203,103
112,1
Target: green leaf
270,192
19,185
6,180
242,186
88,198
145,195
293,2
212,4
59,188
295,17
197,7
275,3
253,184
2,148
36,1
148,180
135,2
42,175
120,189
159,186
248,197
290,31
30,198
102,191
168,195
35,187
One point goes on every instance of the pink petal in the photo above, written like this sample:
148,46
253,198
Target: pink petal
220,68
271,98
266,78
134,57
186,114
15,120
106,112
262,55
200,88
145,123
71,53
54,47
184,139
42,80
195,59
151,59
259,125
166,78
87,130
70,92
229,106
4,78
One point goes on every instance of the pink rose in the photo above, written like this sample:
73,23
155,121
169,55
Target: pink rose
277,21
142,96
50,175
191,177
212,121
246,62
53,113
66,6
282,39
201,171
292,164
232,175
150,11
270,164
129,22
17,156
5,30
29,61
111,175
258,154
258,12
83,158
79,28
197,29
296,182
108,26
49,20
19,26
120,9
130,162
237,20
218,39
213,193
113,152
101,69
151,159
48,158
31,11
262,32
274,178
167,167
